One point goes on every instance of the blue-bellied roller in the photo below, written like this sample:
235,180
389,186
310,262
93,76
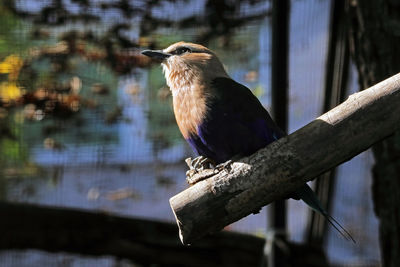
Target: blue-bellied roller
220,118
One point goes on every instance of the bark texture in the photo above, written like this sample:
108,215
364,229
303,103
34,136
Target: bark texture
375,47
273,172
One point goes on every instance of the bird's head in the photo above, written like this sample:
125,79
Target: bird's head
187,64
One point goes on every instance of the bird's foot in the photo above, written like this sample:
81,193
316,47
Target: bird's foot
224,166
198,164
202,163
201,168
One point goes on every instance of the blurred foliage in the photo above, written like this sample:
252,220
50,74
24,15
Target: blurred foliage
219,19
11,24
43,80
62,61
8,89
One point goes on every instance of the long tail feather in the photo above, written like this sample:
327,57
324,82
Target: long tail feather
306,194
344,232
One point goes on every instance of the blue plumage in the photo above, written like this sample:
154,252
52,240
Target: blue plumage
234,124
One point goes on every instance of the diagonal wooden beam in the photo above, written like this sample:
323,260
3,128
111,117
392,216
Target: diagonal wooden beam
273,172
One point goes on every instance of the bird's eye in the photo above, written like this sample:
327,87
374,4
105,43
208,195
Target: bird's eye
182,50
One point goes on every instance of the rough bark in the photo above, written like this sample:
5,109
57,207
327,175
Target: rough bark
275,171
375,47
142,241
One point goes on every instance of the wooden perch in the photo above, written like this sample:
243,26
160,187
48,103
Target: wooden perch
275,171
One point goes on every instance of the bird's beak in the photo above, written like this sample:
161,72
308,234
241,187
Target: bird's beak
156,54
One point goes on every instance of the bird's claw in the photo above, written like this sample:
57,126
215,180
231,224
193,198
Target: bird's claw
201,168
224,166
199,163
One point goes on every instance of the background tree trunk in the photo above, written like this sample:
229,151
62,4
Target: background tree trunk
375,47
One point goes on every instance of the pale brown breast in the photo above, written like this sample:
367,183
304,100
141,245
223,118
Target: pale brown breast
189,78
190,108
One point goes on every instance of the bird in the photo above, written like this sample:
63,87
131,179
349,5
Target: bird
220,118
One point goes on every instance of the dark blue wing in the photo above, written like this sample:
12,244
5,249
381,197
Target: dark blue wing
235,123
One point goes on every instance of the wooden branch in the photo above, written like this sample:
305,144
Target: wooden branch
275,171
142,241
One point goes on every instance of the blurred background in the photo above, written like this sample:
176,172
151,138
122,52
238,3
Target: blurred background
86,121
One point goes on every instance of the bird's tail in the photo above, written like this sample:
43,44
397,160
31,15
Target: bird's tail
306,194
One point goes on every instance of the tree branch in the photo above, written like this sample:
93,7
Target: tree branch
275,171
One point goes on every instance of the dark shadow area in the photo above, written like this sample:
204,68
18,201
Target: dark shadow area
145,242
